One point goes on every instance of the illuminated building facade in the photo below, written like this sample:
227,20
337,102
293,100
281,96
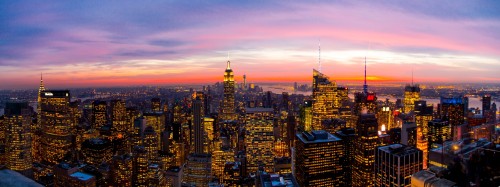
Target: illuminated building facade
157,121
156,176
348,136
140,166
364,151
156,105
150,143
439,131
219,159
365,103
55,120
453,109
119,117
318,159
208,134
17,124
99,114
395,163
259,141
173,176
325,102
198,135
228,109
66,174
122,170
97,150
197,171
306,117
423,114
412,94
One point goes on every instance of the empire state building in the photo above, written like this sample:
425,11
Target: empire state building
227,109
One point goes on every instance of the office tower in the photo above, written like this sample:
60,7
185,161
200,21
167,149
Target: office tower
56,139
198,135
318,159
267,100
156,176
365,102
439,131
286,104
39,108
409,134
66,174
259,139
306,116
219,159
227,108
99,114
140,166
121,170
97,150
208,134
150,143
453,109
489,110
423,114
348,136
325,103
157,122
132,115
17,121
486,100
197,170
333,125
385,117
156,105
364,150
119,117
425,178
395,163
412,94
173,176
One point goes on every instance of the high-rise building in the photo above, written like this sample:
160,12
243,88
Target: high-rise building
395,163
259,141
409,134
17,121
306,116
364,150
119,117
365,102
318,159
486,100
197,170
423,114
150,143
140,166
454,110
55,120
66,174
198,135
228,109
97,150
439,131
325,102
156,105
156,176
157,121
121,170
412,94
99,114
348,136
173,176
219,159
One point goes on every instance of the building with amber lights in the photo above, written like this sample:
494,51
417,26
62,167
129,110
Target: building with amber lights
325,103
17,123
97,150
454,110
423,114
119,117
157,121
365,103
305,116
99,114
318,159
395,163
364,151
219,159
55,120
227,107
198,168
259,139
348,136
156,105
439,131
122,170
150,143
412,94
140,166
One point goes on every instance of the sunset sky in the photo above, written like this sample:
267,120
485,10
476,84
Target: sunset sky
121,43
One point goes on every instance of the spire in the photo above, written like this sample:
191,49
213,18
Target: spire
319,55
411,76
228,65
365,86
42,88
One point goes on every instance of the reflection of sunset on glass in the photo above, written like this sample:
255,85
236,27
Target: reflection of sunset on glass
119,44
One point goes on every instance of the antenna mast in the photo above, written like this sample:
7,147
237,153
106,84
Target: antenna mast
365,86
319,55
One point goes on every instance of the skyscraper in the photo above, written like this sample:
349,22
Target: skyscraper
55,122
227,109
439,131
348,136
423,114
395,163
318,159
119,117
99,114
412,94
325,103
18,137
259,141
364,150
454,109
365,102
197,125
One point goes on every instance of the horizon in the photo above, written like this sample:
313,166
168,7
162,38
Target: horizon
110,44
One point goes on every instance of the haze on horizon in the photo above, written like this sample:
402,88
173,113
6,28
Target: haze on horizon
121,43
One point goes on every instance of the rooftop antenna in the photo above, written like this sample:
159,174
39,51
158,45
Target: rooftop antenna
365,86
319,54
412,76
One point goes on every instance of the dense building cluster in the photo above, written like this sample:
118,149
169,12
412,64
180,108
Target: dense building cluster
234,134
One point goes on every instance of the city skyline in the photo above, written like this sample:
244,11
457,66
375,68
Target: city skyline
89,44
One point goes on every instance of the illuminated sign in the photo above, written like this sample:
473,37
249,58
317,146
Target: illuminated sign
49,94
370,97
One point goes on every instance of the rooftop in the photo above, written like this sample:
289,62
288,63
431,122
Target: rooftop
15,179
82,176
399,149
318,136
